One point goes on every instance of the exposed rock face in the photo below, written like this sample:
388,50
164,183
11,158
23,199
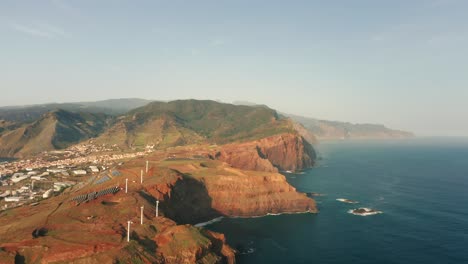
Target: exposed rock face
228,192
190,190
186,244
284,152
256,195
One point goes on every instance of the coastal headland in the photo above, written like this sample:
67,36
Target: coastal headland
192,184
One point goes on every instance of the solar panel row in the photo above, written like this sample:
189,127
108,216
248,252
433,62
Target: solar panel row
94,195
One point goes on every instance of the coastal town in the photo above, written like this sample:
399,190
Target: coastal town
28,181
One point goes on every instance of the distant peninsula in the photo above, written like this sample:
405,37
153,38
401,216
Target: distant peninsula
329,130
332,130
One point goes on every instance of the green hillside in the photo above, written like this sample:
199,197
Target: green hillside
194,121
54,130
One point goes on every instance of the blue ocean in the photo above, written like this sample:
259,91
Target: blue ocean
420,185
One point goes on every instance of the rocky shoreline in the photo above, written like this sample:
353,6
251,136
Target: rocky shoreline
190,191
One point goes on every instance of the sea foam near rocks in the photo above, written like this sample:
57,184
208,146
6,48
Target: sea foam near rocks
367,211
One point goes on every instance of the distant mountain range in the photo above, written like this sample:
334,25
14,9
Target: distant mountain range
324,129
29,113
56,129
136,123
329,130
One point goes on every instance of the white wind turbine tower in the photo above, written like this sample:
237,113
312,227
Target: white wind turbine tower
157,207
128,230
126,185
146,166
141,215
141,176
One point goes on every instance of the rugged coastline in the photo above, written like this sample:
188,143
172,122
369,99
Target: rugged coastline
192,187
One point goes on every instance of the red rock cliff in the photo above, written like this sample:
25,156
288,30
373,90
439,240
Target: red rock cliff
280,152
256,195
225,191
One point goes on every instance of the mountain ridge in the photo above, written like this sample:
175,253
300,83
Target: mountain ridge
194,121
163,124
57,129
328,130
30,113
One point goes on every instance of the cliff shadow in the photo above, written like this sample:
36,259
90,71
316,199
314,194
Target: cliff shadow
189,202
148,244
19,259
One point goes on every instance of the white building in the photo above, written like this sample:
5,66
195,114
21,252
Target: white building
17,177
22,189
61,185
79,172
45,173
37,178
55,170
94,169
12,199
48,193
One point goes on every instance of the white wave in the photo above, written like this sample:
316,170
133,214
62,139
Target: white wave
272,214
212,221
248,251
343,200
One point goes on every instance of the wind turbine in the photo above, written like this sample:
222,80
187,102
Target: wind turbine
141,216
141,176
146,166
126,185
128,230
157,207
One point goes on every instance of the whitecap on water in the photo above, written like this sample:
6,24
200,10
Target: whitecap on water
212,221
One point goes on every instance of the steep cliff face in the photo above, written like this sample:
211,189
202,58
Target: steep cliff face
255,195
198,193
280,152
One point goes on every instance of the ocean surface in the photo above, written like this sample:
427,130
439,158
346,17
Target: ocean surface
421,185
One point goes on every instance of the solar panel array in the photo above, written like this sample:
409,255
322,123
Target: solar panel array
84,198
103,179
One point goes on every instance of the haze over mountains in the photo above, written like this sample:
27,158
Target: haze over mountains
136,123
56,129
326,130
28,113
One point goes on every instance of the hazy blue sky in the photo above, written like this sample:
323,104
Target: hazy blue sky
400,63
